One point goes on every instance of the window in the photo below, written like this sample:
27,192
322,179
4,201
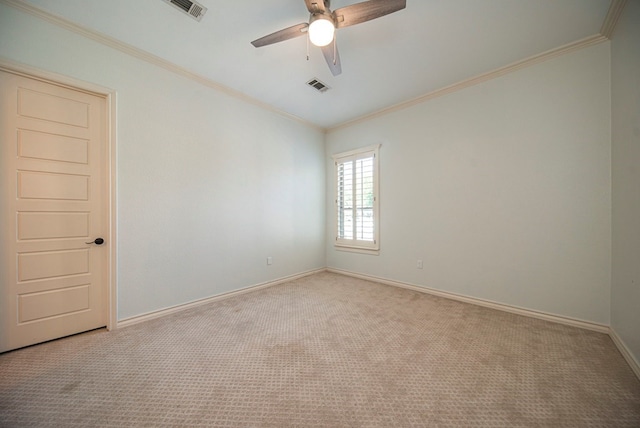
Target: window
356,202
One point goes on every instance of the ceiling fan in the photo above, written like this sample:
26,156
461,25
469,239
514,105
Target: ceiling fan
323,23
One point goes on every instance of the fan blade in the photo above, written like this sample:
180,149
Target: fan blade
332,57
315,6
282,35
366,11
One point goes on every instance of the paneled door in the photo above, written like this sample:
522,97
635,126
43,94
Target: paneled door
53,212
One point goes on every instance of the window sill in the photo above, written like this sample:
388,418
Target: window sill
371,252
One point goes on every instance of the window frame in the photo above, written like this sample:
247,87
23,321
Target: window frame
353,244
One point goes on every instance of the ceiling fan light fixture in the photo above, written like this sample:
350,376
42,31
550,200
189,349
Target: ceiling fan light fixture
321,30
323,23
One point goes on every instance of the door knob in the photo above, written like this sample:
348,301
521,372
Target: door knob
97,241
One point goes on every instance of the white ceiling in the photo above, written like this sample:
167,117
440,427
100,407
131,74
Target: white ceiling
429,45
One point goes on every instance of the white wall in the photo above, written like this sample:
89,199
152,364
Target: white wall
503,189
625,295
208,185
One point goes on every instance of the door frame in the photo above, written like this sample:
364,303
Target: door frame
110,164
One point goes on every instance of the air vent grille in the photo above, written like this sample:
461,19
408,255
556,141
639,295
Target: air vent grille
191,8
196,10
318,85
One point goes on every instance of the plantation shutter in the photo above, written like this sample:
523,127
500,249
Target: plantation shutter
356,199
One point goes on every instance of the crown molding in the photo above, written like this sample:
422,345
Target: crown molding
510,68
606,32
150,58
611,20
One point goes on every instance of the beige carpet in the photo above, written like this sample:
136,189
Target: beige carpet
324,351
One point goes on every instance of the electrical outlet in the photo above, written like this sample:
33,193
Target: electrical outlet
419,265
269,261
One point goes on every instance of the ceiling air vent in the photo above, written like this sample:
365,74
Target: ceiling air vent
191,8
318,85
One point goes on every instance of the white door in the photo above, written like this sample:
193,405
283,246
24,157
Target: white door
53,279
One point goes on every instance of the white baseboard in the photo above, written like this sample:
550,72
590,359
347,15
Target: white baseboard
626,353
173,309
601,328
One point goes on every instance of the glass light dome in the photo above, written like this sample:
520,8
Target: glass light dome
321,31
